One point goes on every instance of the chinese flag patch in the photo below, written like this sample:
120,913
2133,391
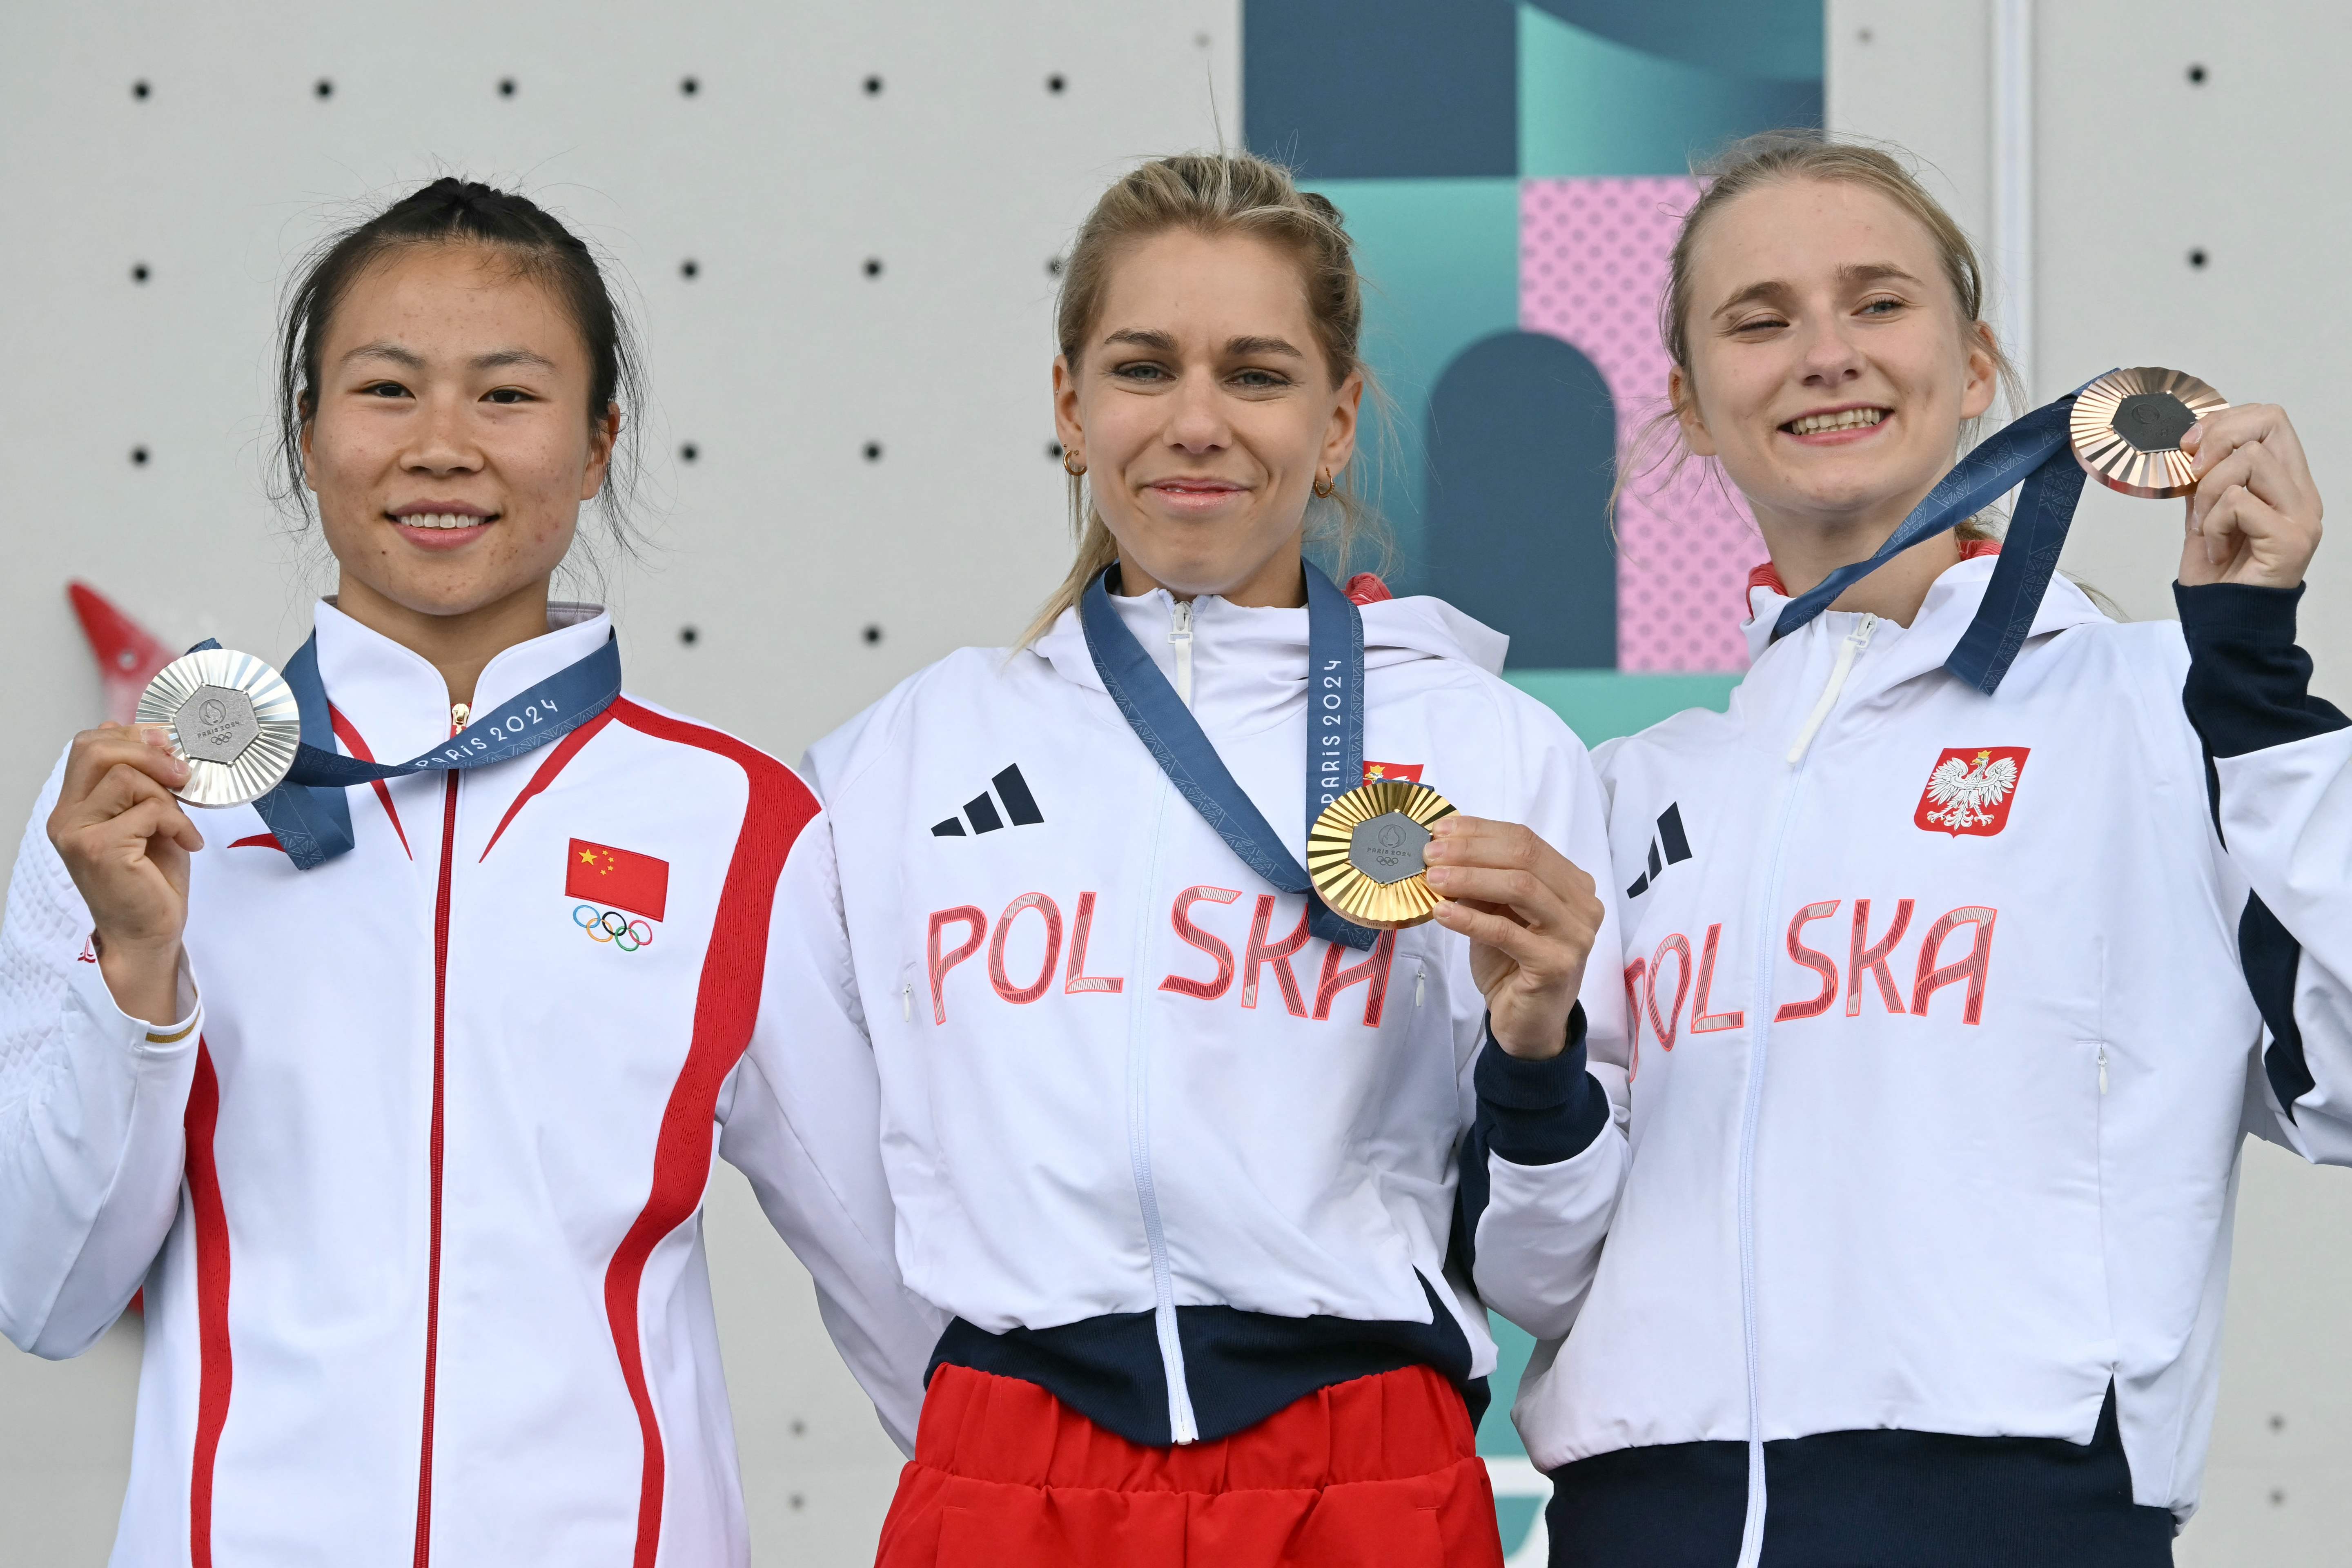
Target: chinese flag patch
1402,772
617,878
1969,790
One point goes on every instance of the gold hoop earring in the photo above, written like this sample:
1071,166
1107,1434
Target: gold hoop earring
1073,465
1324,485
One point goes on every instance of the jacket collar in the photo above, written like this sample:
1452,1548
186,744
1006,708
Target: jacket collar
1897,653
1249,666
398,702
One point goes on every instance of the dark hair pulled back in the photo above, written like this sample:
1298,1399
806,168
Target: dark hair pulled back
454,211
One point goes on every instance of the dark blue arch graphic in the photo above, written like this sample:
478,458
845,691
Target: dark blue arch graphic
1387,89
1522,453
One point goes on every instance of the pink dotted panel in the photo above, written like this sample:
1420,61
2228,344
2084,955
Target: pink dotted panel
1592,262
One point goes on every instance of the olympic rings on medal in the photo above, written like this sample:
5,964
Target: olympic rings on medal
613,926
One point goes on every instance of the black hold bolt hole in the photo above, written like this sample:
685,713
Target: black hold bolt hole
797,1500
688,452
1057,82
139,273
873,87
689,268
872,634
873,451
874,267
1863,35
2278,1423
140,89
690,86
324,88
1054,450
139,457
800,1428
2197,76
688,636
1052,267
2197,259
506,87
2278,1496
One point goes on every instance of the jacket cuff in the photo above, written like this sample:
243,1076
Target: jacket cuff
1538,1113
2249,685
87,986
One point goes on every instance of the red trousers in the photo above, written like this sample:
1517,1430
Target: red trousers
1377,1471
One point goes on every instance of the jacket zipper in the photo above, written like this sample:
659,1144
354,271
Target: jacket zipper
1751,1539
1848,651
1180,635
1181,1425
457,718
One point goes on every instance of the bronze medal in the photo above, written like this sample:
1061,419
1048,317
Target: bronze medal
2128,425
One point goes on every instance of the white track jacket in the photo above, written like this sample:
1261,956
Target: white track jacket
1948,1013
414,1193
1153,1144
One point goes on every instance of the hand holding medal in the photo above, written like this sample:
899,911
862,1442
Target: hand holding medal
2254,517
2253,508
1531,915
125,841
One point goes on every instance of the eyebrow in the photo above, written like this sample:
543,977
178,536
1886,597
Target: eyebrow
1163,343
1853,274
497,359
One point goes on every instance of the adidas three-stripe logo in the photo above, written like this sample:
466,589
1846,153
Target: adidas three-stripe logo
1020,805
1668,846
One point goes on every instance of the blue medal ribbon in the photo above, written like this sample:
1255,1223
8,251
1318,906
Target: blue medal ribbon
2036,451
307,812
1334,734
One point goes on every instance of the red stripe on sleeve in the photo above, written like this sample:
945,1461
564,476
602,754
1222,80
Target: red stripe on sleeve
726,1004
213,1356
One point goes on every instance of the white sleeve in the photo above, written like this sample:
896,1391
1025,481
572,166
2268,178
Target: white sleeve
2281,772
1546,1155
805,1124
93,1115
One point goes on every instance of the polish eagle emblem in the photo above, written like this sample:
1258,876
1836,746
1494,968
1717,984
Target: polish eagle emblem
1969,790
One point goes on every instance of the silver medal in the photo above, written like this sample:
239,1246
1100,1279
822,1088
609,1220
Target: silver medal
231,718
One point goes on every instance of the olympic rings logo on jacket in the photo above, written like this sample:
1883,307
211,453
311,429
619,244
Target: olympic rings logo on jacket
613,926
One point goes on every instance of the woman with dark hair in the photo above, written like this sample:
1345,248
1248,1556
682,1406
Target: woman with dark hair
401,1105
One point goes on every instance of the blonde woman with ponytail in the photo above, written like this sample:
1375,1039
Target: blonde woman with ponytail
1988,928
1175,1147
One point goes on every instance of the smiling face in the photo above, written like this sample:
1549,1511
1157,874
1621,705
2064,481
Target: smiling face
1203,410
449,442
1830,367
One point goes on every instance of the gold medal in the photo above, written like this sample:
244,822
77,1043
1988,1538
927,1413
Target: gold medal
1364,853
230,717
2128,427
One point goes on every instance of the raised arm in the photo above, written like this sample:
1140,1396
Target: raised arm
1545,1156
98,1042
2281,766
805,1124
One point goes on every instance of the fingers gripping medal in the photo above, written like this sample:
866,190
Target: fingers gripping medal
1365,853
230,717
2127,428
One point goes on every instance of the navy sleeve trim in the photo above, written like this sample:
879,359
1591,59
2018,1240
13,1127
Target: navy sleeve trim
2271,956
1538,1113
1530,1113
2249,685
